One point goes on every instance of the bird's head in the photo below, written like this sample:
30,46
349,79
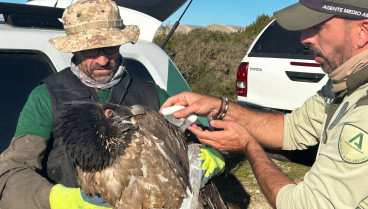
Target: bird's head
96,133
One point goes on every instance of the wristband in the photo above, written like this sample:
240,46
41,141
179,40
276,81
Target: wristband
221,113
215,117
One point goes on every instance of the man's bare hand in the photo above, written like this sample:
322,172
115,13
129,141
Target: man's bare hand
231,137
197,104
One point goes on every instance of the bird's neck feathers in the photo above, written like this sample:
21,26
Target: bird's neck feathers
93,141
91,144
100,149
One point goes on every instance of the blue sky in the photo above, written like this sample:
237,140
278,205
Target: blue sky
227,12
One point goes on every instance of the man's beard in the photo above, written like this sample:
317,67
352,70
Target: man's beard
343,53
340,55
112,67
105,78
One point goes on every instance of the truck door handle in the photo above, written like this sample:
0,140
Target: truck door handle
305,77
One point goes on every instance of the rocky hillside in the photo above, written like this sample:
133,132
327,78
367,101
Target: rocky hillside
213,27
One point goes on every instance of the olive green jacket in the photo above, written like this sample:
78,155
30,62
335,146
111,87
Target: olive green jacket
339,123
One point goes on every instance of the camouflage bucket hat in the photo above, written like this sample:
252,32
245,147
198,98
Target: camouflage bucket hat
308,13
91,24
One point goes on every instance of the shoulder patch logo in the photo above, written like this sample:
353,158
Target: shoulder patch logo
353,144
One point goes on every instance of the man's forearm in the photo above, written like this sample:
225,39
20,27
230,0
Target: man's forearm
268,175
20,185
267,128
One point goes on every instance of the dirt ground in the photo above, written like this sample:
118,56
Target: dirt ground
238,185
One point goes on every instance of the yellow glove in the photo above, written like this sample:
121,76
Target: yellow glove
62,197
212,163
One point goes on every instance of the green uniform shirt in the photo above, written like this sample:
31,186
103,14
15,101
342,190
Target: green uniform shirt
36,116
338,178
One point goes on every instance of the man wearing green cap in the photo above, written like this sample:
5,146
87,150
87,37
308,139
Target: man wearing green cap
336,31
35,172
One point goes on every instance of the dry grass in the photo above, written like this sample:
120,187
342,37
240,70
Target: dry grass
240,187
208,60
213,67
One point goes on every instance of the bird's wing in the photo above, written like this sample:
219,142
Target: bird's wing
169,140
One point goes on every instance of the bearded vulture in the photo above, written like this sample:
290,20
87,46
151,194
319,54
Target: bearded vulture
131,156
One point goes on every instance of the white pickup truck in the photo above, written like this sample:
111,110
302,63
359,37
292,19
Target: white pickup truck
278,72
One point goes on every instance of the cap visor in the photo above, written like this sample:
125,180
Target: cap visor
299,17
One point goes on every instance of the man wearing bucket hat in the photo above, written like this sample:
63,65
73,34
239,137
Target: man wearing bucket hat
35,158
336,31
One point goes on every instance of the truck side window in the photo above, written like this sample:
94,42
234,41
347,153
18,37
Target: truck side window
21,72
278,42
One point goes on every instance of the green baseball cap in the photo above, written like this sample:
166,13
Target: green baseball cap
307,13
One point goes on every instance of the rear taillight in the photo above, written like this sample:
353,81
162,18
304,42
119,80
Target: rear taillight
241,79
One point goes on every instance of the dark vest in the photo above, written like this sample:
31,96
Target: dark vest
66,87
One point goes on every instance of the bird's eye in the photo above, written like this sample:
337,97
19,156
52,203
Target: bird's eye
109,113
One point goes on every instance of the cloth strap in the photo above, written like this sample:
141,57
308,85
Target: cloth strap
341,10
70,30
